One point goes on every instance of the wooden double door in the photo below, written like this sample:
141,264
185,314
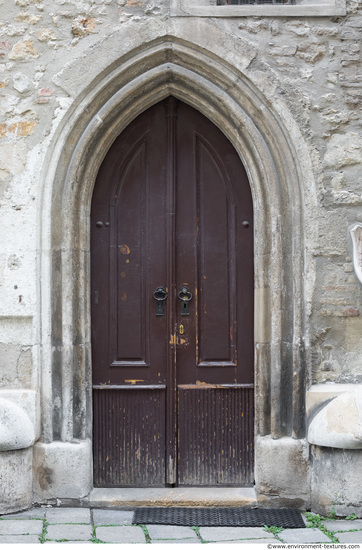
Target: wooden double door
172,306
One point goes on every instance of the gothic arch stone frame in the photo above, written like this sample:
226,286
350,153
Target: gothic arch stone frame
170,66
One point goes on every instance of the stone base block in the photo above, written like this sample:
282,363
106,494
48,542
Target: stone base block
15,480
282,473
62,470
336,481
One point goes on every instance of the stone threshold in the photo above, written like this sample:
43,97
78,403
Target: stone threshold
178,496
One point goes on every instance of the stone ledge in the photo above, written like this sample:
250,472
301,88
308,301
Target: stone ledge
203,8
335,415
27,400
178,496
17,419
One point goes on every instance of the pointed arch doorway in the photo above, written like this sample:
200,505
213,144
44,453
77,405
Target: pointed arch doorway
172,306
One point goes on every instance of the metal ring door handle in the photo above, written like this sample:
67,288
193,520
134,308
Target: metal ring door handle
160,295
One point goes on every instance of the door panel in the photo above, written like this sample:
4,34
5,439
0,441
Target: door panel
214,435
173,393
128,348
216,256
130,451
215,353
128,258
129,249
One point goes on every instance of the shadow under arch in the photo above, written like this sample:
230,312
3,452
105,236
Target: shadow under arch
169,66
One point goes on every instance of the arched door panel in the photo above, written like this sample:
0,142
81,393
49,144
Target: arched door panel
173,376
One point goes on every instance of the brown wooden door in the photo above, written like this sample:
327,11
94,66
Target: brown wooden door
172,378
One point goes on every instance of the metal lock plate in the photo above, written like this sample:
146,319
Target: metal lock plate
185,296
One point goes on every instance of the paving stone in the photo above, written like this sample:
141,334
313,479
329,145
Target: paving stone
67,542
351,536
303,535
125,534
68,515
177,541
158,532
69,532
20,539
343,524
233,533
21,527
34,513
112,517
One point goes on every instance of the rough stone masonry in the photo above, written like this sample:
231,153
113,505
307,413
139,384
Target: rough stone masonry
287,91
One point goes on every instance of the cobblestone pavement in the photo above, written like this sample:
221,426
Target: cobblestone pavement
84,525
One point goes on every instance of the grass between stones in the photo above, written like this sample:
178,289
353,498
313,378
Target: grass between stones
274,530
94,537
146,533
315,520
42,537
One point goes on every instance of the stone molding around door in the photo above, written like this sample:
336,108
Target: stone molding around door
143,72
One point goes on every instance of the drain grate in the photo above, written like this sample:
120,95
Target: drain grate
220,517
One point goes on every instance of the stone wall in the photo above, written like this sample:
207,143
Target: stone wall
308,72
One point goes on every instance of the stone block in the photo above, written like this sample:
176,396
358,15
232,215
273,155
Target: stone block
219,534
171,532
112,517
295,536
338,424
335,481
16,429
23,50
67,515
62,470
343,525
19,539
121,534
69,532
21,527
19,419
34,513
343,150
28,401
15,364
15,480
289,483
351,537
319,395
177,541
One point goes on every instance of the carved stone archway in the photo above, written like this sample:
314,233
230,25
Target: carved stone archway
169,66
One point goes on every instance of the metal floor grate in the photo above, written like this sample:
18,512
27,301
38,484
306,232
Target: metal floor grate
220,517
